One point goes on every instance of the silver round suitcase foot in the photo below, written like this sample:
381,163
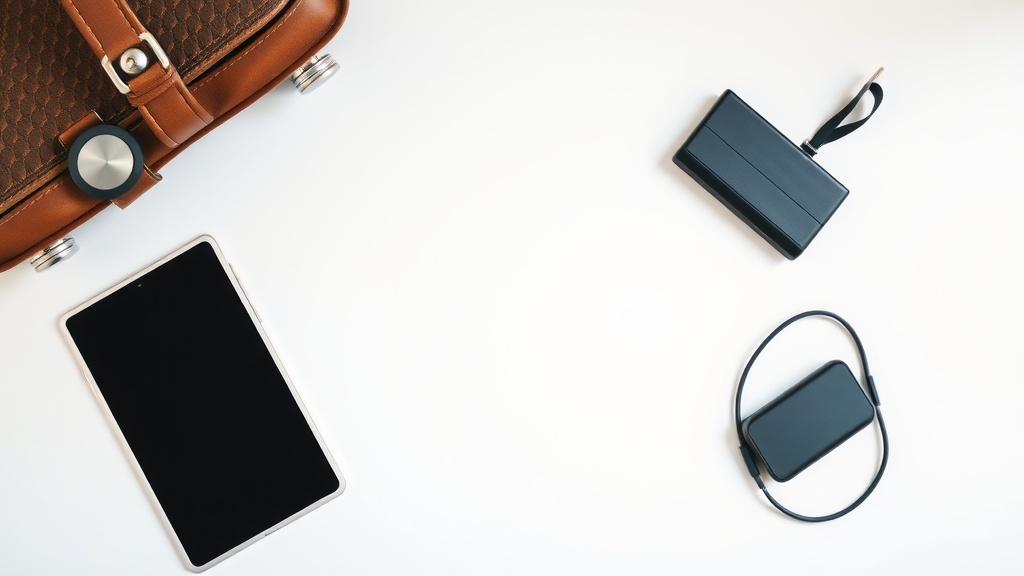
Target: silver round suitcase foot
54,254
314,74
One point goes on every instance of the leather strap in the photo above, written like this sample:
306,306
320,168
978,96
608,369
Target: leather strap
111,27
831,131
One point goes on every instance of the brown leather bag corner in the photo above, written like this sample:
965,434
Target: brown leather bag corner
209,59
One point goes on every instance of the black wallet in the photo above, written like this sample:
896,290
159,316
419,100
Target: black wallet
770,183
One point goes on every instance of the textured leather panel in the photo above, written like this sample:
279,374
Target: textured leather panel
192,30
50,78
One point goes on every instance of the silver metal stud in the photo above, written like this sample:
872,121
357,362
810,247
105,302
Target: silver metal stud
154,47
314,74
133,61
54,254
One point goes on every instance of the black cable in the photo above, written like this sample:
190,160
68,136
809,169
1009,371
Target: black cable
872,393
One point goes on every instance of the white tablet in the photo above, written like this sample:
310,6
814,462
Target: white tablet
179,362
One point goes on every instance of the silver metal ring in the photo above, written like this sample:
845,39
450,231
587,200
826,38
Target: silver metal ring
54,254
314,74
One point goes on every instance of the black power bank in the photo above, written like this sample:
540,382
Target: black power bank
808,421
765,179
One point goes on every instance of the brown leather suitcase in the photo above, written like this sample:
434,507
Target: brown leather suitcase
164,72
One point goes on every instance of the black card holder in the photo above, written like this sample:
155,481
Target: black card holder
765,179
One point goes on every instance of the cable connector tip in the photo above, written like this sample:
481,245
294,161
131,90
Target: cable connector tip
874,76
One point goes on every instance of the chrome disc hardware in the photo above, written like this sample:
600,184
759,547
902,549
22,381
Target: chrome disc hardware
314,73
54,254
105,161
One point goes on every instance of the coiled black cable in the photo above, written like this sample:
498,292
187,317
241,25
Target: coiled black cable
746,452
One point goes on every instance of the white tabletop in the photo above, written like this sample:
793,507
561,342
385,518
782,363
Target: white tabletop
519,326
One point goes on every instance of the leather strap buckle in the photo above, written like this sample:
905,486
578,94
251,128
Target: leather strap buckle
158,51
113,31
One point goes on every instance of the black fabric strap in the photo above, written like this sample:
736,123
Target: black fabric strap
831,131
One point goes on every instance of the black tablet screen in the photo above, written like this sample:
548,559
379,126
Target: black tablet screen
204,408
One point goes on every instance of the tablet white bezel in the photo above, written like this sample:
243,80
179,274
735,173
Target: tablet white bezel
257,323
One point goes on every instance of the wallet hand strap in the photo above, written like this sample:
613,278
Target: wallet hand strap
112,31
831,131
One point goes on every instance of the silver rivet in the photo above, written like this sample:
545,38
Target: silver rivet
133,61
53,254
314,73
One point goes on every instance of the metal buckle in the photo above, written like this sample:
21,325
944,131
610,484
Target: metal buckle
158,51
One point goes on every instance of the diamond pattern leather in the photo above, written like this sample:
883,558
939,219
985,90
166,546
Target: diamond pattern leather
49,78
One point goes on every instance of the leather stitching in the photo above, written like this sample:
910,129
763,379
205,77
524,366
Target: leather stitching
251,48
154,123
87,27
194,104
125,18
36,199
187,104
156,126
143,98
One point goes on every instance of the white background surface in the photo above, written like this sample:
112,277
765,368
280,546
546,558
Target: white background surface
519,326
